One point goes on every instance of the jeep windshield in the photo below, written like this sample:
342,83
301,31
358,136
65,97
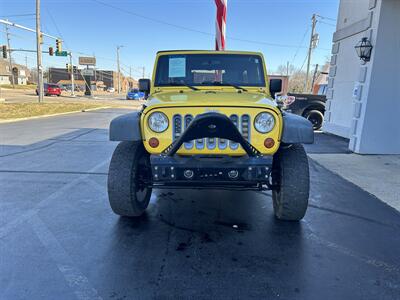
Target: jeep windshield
190,70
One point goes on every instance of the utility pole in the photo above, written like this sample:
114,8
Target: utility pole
26,61
310,48
72,76
143,72
118,69
95,70
39,52
314,77
9,57
287,68
130,77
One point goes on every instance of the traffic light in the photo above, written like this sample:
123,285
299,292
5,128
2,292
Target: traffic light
4,51
68,67
51,51
58,45
74,69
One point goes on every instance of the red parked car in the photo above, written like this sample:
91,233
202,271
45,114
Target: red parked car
50,89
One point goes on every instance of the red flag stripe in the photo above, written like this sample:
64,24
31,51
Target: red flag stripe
220,24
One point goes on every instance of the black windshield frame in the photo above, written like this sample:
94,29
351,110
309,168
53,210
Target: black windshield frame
234,69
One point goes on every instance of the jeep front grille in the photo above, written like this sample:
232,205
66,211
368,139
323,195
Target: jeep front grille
180,123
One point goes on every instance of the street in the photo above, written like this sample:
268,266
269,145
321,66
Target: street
23,95
59,238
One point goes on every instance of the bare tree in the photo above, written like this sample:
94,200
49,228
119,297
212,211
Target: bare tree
296,81
297,77
285,69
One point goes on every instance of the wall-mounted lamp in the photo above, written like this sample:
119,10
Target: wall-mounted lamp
364,49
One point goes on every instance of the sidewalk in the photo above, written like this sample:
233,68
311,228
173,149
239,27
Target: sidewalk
379,175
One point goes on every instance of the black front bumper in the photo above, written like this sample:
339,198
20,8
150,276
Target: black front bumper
251,171
201,171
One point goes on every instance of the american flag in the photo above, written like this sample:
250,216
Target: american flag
220,24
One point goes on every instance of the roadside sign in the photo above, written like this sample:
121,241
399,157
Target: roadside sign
86,60
87,72
61,53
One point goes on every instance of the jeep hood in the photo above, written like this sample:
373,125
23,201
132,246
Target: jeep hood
209,98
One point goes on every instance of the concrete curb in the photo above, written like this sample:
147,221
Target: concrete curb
53,115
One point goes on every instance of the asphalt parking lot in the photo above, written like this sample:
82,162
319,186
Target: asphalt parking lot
60,240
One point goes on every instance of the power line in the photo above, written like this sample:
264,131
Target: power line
22,18
65,42
301,43
322,17
24,37
56,27
127,72
21,15
326,23
305,59
194,30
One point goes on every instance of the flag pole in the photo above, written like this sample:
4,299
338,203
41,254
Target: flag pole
220,24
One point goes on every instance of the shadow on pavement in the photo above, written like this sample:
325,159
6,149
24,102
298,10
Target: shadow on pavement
325,143
60,239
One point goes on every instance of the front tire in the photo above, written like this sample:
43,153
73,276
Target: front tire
129,170
291,183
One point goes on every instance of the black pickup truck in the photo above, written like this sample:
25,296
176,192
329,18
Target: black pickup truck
311,107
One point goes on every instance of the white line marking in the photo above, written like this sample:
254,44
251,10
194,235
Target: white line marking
75,279
346,251
7,228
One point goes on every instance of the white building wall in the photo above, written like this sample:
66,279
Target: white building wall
354,19
363,97
377,130
343,75
4,79
351,11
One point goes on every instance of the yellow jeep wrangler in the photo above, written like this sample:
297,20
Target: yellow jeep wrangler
210,122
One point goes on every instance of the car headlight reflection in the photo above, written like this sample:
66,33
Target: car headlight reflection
158,122
264,122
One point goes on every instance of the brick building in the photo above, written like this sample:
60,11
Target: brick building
102,79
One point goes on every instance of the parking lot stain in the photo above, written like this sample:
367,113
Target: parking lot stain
205,238
181,247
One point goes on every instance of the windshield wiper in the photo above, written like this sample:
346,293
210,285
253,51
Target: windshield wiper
235,86
225,83
183,84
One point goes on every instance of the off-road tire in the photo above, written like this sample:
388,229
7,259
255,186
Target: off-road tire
126,169
316,118
291,183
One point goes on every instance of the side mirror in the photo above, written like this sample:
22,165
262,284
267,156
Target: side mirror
275,86
144,85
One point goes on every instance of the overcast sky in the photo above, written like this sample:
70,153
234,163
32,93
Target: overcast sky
278,28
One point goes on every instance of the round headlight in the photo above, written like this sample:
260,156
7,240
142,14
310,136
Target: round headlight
264,122
158,122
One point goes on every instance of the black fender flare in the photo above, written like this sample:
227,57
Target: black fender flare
296,130
126,128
